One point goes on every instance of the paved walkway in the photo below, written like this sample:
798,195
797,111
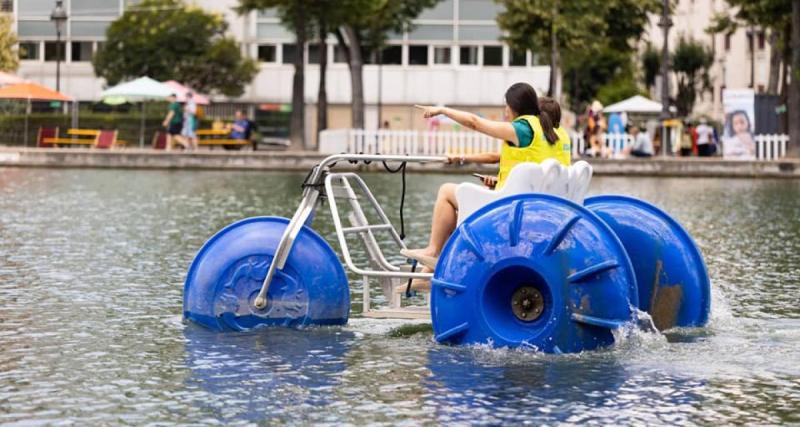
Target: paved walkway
304,161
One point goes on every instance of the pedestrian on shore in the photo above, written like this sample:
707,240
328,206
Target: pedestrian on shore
189,131
706,140
173,123
685,140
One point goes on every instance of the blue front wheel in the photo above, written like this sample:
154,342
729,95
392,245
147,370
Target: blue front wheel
226,276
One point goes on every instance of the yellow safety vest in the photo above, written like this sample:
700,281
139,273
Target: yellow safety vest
538,151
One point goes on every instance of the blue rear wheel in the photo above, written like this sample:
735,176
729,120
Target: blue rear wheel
227,274
673,282
532,270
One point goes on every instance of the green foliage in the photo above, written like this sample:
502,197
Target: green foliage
597,38
619,89
168,39
691,62
9,60
651,65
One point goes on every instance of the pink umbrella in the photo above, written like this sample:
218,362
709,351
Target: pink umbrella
9,79
181,91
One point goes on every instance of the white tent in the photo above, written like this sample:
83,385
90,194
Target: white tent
635,104
142,89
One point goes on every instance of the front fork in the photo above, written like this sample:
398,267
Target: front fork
303,216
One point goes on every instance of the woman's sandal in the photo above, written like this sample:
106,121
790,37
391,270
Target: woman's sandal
426,260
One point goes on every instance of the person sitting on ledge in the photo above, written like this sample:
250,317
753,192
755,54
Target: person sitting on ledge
641,146
533,134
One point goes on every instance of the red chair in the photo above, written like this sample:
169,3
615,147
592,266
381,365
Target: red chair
106,139
46,133
160,140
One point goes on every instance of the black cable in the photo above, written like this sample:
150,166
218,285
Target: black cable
401,168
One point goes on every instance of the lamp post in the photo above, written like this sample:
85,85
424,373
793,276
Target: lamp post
59,17
665,23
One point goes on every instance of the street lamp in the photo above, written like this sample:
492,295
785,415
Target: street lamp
59,17
665,23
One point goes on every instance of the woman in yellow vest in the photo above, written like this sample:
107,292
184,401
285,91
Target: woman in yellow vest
532,135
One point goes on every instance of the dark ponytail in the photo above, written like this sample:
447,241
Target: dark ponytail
550,118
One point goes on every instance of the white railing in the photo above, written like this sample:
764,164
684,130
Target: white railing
399,142
770,146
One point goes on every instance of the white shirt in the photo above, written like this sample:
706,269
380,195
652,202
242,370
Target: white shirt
705,134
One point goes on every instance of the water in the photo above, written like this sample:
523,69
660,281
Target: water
91,271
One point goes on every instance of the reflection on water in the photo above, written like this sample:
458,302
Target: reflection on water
91,271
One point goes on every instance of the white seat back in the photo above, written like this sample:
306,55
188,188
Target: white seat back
549,177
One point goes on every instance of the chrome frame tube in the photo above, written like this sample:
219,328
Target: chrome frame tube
308,205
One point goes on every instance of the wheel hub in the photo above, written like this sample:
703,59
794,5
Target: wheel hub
527,303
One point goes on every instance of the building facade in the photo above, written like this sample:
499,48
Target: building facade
452,56
741,58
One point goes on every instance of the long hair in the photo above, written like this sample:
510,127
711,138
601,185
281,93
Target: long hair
550,117
521,98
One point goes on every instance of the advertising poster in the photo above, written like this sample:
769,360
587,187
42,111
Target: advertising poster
737,140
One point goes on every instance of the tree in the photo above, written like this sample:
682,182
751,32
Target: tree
166,40
691,62
774,16
651,65
591,42
363,31
9,59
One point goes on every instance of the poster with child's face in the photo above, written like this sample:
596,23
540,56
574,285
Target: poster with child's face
737,141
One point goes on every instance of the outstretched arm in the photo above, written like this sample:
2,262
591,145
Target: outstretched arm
499,130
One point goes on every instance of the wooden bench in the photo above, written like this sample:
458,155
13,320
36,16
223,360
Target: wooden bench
219,137
91,137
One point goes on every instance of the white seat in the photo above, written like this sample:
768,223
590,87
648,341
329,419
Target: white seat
549,177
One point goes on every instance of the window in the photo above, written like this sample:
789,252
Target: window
51,51
267,53
468,55
289,53
29,51
441,55
81,51
518,58
313,54
727,42
94,8
417,55
392,55
339,56
750,45
7,6
493,56
761,40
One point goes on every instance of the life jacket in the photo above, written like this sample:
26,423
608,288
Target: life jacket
538,151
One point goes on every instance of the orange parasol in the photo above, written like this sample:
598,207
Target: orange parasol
33,92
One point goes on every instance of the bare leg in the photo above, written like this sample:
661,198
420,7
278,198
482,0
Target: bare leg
445,215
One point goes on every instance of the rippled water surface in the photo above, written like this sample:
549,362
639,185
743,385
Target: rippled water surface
91,270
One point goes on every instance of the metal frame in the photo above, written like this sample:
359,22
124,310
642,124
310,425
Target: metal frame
320,176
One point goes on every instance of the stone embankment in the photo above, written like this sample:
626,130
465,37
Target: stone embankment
303,161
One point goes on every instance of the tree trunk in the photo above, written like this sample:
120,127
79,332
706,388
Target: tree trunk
297,124
356,76
794,88
322,93
555,66
774,63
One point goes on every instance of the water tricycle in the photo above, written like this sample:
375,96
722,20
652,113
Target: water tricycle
531,265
